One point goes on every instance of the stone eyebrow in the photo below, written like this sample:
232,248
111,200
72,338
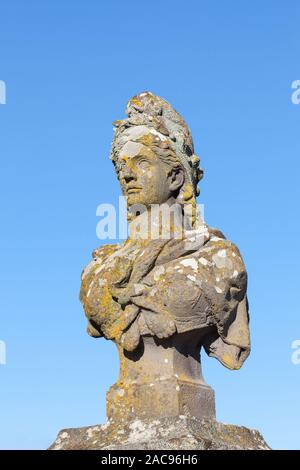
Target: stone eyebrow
140,157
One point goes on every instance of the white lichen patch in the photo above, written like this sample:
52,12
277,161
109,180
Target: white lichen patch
138,289
222,253
104,426
221,260
158,272
153,291
131,149
203,261
216,239
157,134
88,269
98,270
140,431
58,444
109,264
190,263
198,282
156,422
90,433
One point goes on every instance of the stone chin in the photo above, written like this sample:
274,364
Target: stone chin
136,198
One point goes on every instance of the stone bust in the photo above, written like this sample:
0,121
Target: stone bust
157,285
174,287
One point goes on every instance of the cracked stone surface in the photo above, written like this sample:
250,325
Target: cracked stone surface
181,433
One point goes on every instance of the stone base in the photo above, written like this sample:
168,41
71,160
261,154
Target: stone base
160,379
173,433
160,399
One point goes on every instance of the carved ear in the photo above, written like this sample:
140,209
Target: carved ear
176,179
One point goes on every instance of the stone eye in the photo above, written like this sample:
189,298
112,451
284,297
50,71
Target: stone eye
143,163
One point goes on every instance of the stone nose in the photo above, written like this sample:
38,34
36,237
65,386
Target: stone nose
127,173
128,176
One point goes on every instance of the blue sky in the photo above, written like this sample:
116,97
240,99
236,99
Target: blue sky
69,68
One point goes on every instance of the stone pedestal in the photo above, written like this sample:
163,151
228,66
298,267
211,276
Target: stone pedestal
162,378
179,433
161,401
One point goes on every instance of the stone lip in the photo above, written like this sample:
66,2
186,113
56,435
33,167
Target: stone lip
172,433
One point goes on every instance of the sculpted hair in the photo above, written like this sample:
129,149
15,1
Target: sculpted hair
163,130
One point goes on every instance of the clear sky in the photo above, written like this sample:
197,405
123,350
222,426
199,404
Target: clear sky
69,68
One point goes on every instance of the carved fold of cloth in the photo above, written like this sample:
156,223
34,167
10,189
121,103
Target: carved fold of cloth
161,287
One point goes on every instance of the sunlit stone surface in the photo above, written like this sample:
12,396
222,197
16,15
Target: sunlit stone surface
175,287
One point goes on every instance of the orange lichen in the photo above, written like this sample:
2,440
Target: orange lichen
136,101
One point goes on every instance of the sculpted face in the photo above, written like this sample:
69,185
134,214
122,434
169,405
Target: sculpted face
144,177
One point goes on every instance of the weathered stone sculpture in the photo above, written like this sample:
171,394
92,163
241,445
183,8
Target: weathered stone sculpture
173,287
